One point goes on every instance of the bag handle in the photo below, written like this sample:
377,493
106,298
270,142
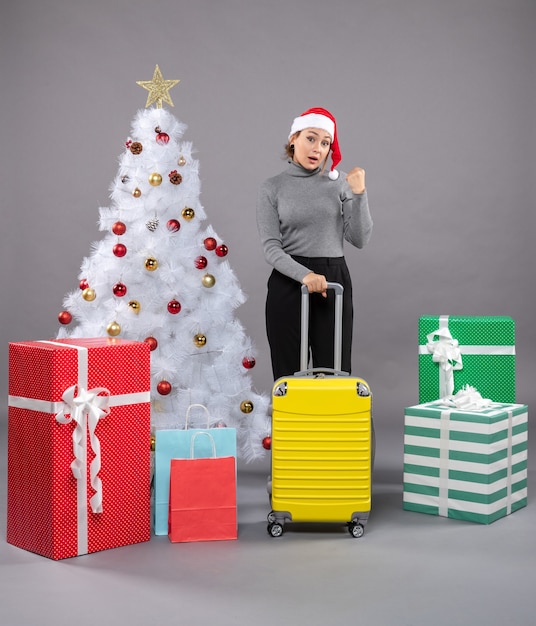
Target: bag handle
202,406
212,444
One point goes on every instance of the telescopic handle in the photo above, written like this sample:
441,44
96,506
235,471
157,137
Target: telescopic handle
304,344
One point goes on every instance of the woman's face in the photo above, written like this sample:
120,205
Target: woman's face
311,147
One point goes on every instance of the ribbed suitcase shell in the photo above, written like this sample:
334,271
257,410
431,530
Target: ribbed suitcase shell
322,442
321,450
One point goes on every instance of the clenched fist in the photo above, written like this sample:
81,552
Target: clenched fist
356,179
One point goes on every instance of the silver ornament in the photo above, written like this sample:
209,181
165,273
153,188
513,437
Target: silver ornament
152,224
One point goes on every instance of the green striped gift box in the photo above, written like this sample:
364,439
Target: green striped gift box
468,465
487,352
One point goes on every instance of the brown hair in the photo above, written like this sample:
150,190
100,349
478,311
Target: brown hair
289,148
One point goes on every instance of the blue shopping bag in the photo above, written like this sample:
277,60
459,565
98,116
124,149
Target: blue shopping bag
175,444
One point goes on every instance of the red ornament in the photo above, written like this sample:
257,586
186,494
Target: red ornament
153,343
248,362
163,388
222,250
64,317
201,262
174,307
173,225
119,290
83,284
210,243
119,249
119,228
267,443
162,138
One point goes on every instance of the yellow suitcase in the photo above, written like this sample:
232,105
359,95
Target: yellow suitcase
322,442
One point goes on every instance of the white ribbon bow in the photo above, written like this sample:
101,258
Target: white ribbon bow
446,352
79,404
467,398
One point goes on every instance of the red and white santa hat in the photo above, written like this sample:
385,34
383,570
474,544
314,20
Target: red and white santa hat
323,119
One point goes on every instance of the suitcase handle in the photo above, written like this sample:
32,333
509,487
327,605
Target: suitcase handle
321,370
304,345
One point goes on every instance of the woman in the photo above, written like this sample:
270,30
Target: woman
303,217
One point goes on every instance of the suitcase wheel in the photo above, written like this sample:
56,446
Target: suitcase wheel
271,517
355,529
275,529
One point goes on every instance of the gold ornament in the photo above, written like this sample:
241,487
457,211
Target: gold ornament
153,443
188,213
200,340
181,161
158,89
151,264
135,306
89,294
208,280
155,179
246,406
113,329
137,192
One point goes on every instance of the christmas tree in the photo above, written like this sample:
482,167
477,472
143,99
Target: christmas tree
159,276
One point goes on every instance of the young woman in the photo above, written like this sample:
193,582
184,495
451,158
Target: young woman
303,216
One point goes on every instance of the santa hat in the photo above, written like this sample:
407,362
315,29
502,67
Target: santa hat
320,118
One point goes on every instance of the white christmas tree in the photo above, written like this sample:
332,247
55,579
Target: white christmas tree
158,275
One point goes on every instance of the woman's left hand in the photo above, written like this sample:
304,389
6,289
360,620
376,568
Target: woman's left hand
356,179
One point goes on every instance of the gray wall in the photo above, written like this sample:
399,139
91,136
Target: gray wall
434,99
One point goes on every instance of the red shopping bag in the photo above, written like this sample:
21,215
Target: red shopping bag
202,497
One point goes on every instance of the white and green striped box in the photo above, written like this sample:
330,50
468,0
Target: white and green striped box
468,465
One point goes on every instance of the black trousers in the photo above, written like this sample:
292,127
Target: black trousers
283,309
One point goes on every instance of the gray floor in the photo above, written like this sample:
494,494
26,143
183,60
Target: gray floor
408,569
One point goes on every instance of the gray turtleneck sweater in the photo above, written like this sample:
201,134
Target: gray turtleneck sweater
305,213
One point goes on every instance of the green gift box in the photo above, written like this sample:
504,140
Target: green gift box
455,351
465,464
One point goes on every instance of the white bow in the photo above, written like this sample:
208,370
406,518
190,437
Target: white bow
467,398
446,352
80,403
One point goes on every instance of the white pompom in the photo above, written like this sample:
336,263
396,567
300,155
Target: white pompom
333,175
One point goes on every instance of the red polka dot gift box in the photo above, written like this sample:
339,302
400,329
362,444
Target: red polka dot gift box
78,445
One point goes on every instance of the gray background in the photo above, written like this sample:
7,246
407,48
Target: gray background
436,101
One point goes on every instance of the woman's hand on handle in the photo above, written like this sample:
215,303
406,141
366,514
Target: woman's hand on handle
316,283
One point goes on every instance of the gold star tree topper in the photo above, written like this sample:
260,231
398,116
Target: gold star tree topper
158,89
